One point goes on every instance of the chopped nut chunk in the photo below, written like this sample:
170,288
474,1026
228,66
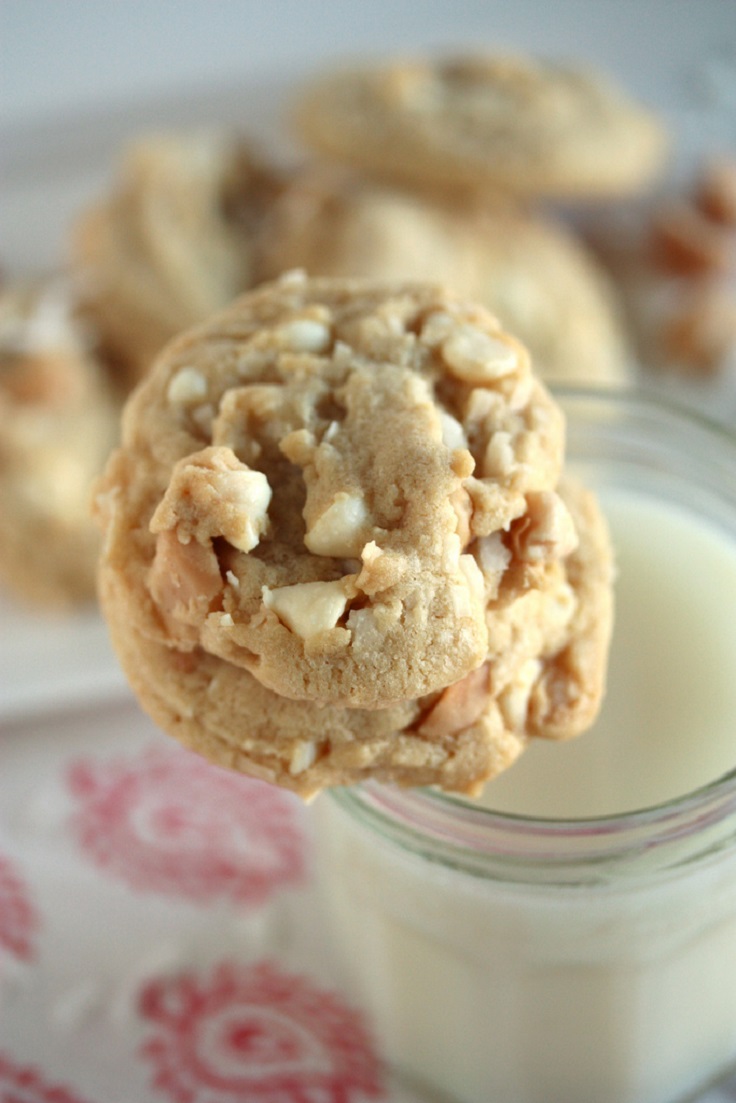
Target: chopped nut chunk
462,463
688,242
473,575
184,576
212,494
547,531
716,194
459,706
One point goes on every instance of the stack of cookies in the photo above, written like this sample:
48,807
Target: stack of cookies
338,542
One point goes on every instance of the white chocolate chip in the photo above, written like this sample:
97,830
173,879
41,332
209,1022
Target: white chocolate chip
467,596
474,577
499,456
514,699
460,598
484,405
371,553
494,557
47,327
307,607
453,434
451,549
302,757
226,621
366,632
306,335
559,611
203,415
476,357
250,495
293,277
186,387
340,530
437,328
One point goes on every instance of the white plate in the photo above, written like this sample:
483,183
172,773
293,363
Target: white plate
47,662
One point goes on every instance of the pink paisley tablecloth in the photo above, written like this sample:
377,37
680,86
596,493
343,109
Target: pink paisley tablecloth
160,934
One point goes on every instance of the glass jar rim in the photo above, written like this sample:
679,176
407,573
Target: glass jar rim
454,832
650,399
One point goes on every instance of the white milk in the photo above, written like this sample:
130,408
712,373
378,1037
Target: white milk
607,975
668,723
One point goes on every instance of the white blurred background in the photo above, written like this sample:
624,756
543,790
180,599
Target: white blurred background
62,55
79,77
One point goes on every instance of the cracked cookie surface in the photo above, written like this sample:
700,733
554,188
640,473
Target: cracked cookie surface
310,487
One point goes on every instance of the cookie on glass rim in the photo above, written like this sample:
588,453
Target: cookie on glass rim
332,502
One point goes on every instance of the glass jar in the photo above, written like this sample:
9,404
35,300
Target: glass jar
511,959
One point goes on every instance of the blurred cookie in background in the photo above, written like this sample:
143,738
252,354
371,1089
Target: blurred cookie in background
484,123
535,274
172,242
674,262
58,423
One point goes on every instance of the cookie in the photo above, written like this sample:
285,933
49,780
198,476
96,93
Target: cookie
674,261
58,423
481,123
546,678
299,480
540,280
173,242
